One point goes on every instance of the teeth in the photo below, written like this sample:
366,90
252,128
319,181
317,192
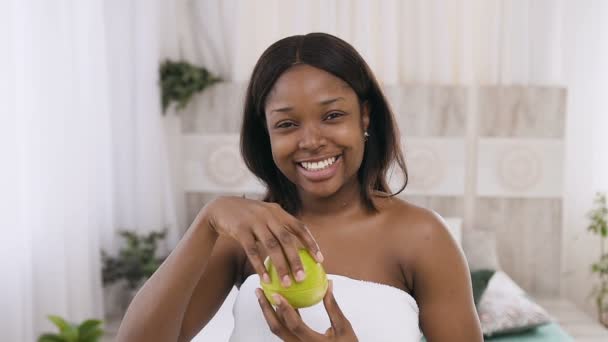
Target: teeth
319,165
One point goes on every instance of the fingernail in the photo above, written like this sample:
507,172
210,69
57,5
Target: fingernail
258,293
277,299
320,257
300,276
266,278
286,281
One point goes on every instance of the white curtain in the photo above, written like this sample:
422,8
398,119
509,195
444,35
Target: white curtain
145,190
428,41
57,188
83,148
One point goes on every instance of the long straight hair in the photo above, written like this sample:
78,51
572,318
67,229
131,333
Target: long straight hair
337,57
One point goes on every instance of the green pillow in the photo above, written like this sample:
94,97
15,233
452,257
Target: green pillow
480,280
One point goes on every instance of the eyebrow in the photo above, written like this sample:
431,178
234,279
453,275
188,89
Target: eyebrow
320,103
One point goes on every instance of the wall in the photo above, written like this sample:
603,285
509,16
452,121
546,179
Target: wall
585,54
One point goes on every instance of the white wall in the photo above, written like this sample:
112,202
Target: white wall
585,52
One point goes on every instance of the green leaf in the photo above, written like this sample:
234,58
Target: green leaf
60,323
180,80
136,260
71,335
89,328
50,338
92,337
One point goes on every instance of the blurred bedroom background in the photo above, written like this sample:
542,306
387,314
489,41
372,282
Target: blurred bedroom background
120,120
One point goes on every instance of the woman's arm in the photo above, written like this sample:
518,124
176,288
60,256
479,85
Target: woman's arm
189,287
213,287
159,308
442,285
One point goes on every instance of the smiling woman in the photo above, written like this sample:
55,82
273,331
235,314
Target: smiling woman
321,75
319,133
317,143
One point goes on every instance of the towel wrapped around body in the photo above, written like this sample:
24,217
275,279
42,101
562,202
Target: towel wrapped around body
377,312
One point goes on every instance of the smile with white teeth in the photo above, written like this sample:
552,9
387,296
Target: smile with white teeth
316,166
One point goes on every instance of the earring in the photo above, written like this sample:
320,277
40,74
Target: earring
365,136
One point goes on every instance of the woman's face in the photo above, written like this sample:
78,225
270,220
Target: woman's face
316,126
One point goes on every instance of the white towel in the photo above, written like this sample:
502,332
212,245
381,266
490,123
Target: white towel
377,312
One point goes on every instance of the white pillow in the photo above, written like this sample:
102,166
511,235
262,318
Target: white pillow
480,249
505,308
455,228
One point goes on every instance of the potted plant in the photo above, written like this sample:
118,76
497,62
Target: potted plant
180,80
136,261
87,331
598,225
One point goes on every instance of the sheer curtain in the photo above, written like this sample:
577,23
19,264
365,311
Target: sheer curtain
145,191
436,41
83,148
56,192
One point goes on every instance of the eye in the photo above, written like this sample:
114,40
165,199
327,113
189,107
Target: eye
284,124
333,115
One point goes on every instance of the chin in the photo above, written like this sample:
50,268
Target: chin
322,189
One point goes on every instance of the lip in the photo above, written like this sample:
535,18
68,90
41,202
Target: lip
321,175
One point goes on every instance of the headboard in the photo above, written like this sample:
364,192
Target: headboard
492,155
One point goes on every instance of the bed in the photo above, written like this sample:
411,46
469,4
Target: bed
548,333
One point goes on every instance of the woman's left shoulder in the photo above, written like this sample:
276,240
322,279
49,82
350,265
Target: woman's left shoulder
417,232
413,221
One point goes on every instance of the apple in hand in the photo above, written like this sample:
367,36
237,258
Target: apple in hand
299,295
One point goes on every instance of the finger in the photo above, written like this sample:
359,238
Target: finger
272,320
304,235
275,252
252,250
299,229
339,322
309,241
290,250
292,320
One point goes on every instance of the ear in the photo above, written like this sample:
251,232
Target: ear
365,111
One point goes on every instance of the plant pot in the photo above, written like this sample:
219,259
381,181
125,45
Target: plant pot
113,298
127,297
604,319
128,294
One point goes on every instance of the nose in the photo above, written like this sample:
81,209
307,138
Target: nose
311,138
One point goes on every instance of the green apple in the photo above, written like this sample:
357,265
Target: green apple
299,295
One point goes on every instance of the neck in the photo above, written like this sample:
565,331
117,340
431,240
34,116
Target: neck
345,202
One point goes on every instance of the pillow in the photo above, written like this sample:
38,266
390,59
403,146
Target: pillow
505,308
479,247
479,281
454,225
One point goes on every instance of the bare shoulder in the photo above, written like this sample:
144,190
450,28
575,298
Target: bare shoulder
416,235
414,223
435,271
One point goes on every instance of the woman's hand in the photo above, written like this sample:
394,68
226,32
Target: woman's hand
256,224
287,324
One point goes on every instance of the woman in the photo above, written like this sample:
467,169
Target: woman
319,133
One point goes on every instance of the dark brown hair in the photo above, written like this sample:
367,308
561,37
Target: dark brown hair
339,58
